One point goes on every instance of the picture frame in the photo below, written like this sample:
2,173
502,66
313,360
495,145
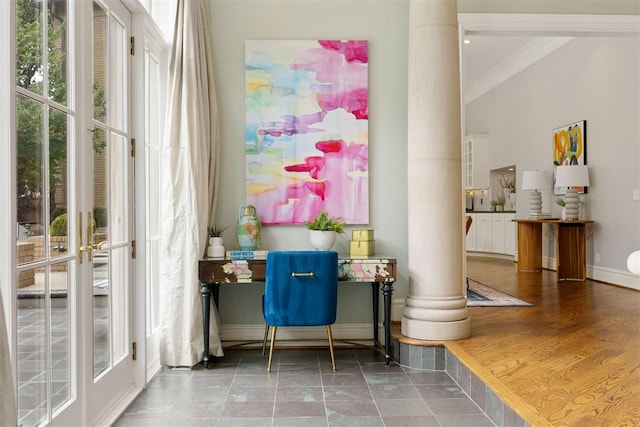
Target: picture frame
569,148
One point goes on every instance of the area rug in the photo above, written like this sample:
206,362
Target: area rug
479,295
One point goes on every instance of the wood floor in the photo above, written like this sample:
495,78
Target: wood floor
572,360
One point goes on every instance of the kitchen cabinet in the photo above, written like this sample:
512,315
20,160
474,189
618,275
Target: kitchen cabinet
476,161
492,233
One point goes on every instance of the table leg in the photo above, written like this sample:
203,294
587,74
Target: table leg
387,291
205,291
375,293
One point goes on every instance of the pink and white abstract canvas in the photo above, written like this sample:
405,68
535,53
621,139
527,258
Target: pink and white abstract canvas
306,133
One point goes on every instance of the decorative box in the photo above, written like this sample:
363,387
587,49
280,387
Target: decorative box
361,235
361,248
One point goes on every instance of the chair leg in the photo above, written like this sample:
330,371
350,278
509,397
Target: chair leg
333,358
273,343
264,341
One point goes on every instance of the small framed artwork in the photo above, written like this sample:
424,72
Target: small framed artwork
569,148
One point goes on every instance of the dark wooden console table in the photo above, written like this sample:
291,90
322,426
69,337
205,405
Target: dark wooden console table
571,245
377,270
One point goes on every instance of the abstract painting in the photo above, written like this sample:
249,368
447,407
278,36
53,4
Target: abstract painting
306,129
569,148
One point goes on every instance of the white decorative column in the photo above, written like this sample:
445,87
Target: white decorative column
436,308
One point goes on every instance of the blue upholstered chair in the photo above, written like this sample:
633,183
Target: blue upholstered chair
301,289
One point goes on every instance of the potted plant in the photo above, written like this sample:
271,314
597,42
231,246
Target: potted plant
215,249
323,230
499,204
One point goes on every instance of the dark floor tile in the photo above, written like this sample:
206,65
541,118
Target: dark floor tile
243,422
300,421
363,421
299,409
440,391
343,379
430,377
247,409
298,380
453,406
394,392
464,420
403,407
397,378
415,421
257,380
299,394
350,408
251,394
347,393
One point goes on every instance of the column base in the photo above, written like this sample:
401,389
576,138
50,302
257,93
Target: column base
436,331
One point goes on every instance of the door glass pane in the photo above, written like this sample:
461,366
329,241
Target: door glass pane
101,340
30,178
44,343
118,160
119,301
100,73
58,231
119,47
29,33
57,52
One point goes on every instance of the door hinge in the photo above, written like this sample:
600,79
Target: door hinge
133,147
134,351
133,249
133,46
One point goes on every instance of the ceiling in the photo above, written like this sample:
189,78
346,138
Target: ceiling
491,59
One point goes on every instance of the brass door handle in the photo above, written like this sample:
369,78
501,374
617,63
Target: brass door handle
94,247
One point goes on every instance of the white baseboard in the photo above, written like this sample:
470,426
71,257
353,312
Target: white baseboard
602,274
340,331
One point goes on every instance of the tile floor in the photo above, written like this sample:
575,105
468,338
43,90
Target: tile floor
303,390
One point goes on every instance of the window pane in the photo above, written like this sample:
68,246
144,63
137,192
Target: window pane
30,176
57,52
29,69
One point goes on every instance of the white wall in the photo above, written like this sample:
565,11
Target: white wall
594,79
383,24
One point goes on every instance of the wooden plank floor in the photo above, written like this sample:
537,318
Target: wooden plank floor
572,360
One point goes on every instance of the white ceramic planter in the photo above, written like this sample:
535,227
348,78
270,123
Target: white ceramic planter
322,240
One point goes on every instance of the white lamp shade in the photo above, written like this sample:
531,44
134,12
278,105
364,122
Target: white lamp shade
572,176
535,180
633,262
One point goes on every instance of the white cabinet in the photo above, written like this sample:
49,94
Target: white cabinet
510,235
483,233
494,232
476,161
497,233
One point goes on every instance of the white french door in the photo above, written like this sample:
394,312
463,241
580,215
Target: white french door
73,210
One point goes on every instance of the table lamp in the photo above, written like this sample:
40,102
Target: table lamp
535,180
572,176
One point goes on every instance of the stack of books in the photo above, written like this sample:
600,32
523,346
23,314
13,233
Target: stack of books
246,255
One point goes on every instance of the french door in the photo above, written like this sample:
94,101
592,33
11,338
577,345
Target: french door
74,210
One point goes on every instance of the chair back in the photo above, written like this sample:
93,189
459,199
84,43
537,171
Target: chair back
301,288
468,222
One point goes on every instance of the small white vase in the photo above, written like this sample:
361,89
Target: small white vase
215,249
322,240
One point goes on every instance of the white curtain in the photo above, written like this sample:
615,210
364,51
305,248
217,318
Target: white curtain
189,181
8,412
